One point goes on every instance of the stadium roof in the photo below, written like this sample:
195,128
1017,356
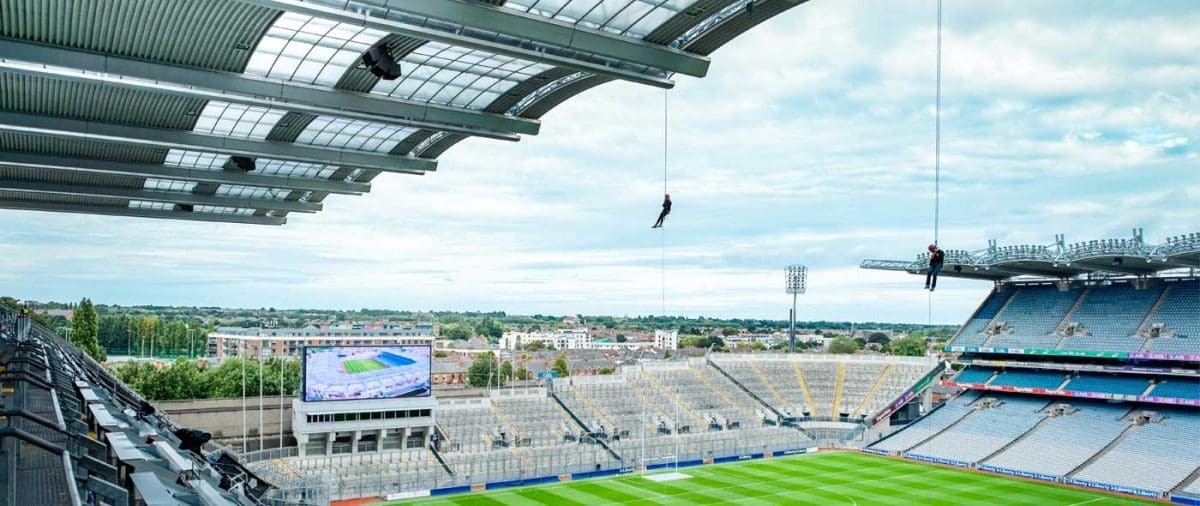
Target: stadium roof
135,107
1105,256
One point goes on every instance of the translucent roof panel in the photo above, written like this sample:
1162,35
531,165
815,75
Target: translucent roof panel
154,206
294,169
236,120
195,159
254,192
223,210
633,18
169,185
310,50
341,133
457,76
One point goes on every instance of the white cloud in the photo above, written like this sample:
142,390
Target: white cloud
810,141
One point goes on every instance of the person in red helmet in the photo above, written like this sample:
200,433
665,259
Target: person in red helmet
937,258
666,210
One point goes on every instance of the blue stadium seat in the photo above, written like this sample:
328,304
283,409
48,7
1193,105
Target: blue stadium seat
1112,314
1178,311
1113,384
1030,379
1179,388
975,375
972,334
1033,314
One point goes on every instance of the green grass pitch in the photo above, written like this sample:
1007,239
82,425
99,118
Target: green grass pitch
833,478
363,365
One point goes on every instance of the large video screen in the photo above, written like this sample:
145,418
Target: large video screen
347,373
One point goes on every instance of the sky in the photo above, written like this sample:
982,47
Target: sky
810,141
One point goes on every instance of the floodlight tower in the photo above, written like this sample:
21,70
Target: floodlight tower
797,283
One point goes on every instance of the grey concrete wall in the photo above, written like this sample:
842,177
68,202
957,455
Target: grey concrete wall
223,417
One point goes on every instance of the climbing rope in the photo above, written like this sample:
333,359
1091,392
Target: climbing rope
663,230
937,135
937,151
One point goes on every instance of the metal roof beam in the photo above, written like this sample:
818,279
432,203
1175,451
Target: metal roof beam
181,139
458,39
551,32
70,64
140,213
161,196
183,174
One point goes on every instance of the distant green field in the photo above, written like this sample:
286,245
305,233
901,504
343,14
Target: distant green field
362,365
834,478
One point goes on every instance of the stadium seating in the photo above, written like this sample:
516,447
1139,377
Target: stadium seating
1179,309
1032,315
1179,388
1175,345
972,333
836,387
1108,383
1156,456
977,375
704,396
1065,441
936,421
995,424
1112,314
1030,378
1109,317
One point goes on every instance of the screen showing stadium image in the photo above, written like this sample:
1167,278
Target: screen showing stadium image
347,373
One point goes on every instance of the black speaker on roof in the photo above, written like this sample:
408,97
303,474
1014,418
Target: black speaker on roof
242,163
187,208
381,63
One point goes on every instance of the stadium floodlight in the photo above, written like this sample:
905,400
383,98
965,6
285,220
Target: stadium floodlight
797,283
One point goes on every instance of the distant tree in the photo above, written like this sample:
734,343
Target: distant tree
666,354
489,327
621,338
456,331
523,373
535,346
506,371
482,372
878,337
85,330
757,346
605,370
560,366
551,347
844,345
911,346
729,331
440,354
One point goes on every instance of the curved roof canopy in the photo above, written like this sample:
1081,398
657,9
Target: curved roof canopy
1105,256
248,110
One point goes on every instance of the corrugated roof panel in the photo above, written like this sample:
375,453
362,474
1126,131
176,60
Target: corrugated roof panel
289,126
71,177
52,97
63,199
214,34
13,141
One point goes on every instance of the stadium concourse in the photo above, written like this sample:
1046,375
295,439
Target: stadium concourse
1082,366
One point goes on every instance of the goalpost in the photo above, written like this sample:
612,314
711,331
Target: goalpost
645,461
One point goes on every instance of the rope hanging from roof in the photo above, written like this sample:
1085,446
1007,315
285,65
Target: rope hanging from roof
937,150
663,230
